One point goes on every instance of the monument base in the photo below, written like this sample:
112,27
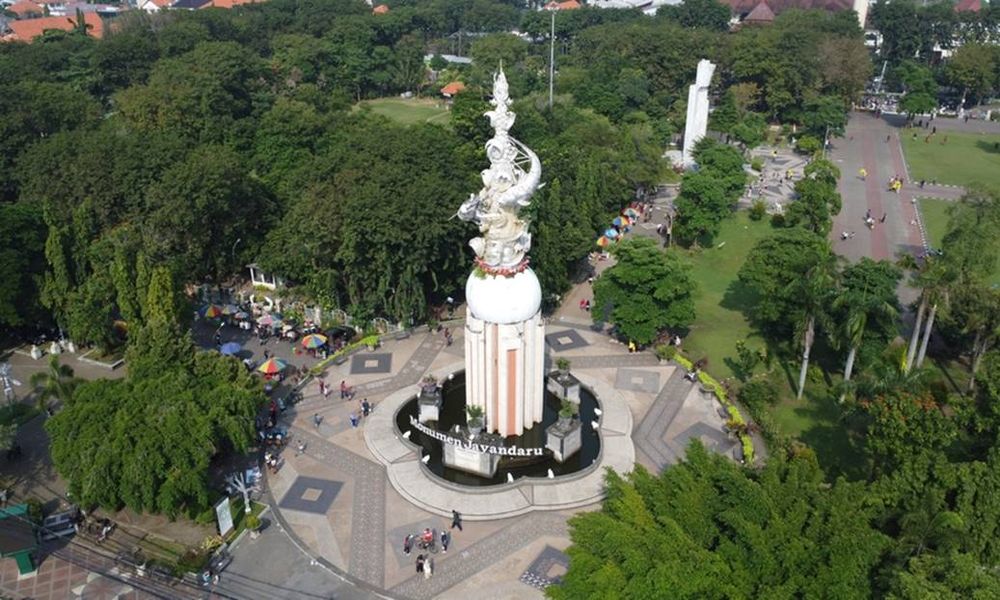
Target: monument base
564,385
470,461
429,403
563,438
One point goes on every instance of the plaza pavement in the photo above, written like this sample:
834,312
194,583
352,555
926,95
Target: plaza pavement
336,502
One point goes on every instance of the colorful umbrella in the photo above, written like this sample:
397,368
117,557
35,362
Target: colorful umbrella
212,311
269,320
241,315
630,212
313,341
603,242
622,221
230,309
230,348
611,233
272,366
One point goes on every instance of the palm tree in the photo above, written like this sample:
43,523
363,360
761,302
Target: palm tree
862,307
930,526
55,383
983,321
814,290
937,281
889,374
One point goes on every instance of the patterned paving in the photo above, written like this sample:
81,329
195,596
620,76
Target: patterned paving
311,494
366,364
650,436
636,380
547,568
457,567
561,341
367,558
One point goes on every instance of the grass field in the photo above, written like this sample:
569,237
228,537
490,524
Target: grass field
816,419
965,158
409,111
934,214
720,321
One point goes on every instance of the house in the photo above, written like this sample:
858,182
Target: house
566,5
453,88
743,8
969,6
152,6
26,9
760,15
29,29
381,9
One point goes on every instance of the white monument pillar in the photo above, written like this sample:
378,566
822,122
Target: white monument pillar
697,110
504,332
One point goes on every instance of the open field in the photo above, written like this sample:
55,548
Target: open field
934,213
720,321
816,419
409,111
953,158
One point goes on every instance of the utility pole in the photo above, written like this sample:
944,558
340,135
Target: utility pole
552,58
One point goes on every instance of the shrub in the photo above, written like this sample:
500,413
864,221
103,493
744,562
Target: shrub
253,522
758,393
757,210
563,364
567,409
808,144
747,449
757,164
684,362
666,352
778,220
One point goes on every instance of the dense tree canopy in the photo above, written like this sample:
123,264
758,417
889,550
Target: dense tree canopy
646,291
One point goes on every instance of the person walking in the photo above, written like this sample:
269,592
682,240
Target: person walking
354,420
343,389
456,520
445,540
420,564
428,567
408,544
317,420
884,215
366,408
862,173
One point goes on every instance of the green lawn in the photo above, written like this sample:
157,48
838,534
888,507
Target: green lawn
934,214
963,159
409,110
720,322
816,419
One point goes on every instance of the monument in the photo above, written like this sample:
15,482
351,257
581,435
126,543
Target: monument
697,111
504,332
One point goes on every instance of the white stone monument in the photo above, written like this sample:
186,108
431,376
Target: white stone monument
697,110
504,332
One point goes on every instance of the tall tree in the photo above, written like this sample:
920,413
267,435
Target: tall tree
814,292
646,291
868,300
56,382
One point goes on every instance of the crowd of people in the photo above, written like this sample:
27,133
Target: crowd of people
428,542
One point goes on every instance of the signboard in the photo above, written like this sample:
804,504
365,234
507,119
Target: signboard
224,516
473,446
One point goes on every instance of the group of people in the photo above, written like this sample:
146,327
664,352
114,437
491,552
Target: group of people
427,541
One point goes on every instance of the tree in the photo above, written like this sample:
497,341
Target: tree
904,34
146,441
814,292
770,271
708,194
825,116
868,299
817,202
709,14
919,86
972,68
707,528
646,291
22,263
55,383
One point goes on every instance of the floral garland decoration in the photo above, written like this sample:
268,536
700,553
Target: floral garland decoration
483,269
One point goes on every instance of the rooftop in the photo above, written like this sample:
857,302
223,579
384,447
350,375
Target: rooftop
26,30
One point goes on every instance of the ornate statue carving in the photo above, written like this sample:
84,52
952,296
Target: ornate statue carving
508,184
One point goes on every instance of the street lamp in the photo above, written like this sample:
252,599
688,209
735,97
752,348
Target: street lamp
232,253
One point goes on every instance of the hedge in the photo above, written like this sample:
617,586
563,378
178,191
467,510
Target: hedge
720,392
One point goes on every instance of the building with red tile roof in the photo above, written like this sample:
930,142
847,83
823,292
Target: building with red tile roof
969,6
25,30
452,88
381,9
567,5
761,14
26,9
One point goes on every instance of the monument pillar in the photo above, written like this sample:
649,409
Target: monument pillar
697,111
504,332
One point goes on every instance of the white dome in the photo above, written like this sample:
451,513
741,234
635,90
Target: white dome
504,300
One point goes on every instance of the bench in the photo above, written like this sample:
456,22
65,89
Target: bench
401,335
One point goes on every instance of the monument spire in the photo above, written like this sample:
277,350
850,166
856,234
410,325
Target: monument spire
504,333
